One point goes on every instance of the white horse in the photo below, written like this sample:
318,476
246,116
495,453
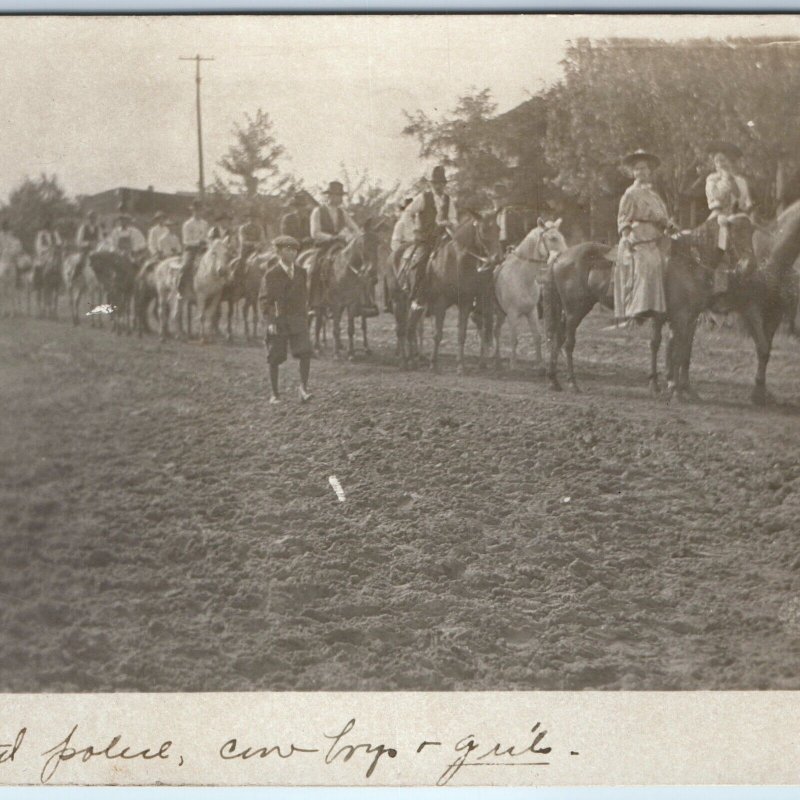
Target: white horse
518,289
211,274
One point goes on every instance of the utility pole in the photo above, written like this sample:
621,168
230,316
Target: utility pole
197,59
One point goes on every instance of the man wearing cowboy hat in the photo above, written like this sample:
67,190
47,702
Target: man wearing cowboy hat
283,300
127,239
194,235
251,236
157,230
642,221
329,225
435,216
728,195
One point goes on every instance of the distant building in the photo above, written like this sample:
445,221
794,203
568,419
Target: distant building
141,204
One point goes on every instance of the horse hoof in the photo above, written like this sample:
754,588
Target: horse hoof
351,356
761,397
555,386
574,388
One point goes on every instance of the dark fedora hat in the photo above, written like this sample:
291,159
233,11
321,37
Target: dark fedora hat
334,187
641,155
726,148
437,175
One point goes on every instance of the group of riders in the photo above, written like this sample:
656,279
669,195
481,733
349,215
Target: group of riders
426,221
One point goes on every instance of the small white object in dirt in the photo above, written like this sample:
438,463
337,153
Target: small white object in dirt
566,499
104,309
337,487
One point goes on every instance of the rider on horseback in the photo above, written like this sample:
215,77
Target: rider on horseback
126,239
48,240
728,196
251,236
435,217
329,228
87,239
195,235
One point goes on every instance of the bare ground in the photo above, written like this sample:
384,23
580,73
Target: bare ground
164,529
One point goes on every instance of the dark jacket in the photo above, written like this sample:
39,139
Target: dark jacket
427,229
284,302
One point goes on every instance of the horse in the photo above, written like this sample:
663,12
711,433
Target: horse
79,279
397,296
46,282
244,284
458,273
582,276
517,286
210,276
763,242
144,293
116,273
351,272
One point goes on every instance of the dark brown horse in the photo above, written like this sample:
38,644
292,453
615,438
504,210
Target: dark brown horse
117,275
582,276
459,274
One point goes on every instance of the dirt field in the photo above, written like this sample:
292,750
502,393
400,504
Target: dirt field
164,529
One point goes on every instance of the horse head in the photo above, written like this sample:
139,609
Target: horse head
478,235
217,257
544,243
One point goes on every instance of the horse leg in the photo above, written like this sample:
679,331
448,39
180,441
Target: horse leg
498,326
367,351
683,379
573,320
438,335
536,332
655,346
351,333
513,332
337,332
463,322
757,325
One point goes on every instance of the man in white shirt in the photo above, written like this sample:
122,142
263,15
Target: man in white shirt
403,232
158,230
47,242
195,237
169,244
435,217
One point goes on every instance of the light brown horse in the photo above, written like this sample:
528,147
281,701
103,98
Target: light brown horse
459,274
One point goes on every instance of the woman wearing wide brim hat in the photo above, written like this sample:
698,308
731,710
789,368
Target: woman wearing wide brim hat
642,221
630,161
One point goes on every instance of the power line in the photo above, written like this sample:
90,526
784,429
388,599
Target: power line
201,185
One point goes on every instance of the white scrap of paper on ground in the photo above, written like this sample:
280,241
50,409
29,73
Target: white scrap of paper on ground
104,309
337,487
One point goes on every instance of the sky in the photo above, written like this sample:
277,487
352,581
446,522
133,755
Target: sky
106,102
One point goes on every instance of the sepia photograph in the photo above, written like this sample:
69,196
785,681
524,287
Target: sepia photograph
383,353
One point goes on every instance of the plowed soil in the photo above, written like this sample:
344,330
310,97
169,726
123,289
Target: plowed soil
163,528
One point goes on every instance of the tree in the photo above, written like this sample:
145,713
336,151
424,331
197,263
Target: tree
617,95
36,202
252,162
465,141
366,198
